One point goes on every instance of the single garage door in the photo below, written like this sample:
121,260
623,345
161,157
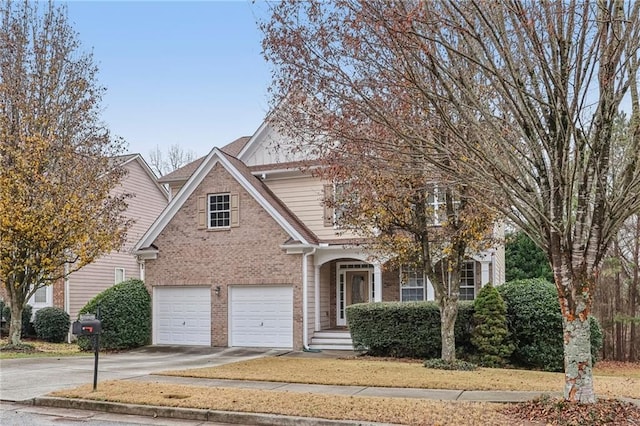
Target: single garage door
182,315
261,316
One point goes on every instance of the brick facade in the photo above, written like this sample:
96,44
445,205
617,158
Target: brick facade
249,254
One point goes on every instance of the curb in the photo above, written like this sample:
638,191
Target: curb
154,411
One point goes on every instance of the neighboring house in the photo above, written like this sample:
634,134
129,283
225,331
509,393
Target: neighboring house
148,199
246,254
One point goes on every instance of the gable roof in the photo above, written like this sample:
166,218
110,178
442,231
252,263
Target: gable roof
183,173
123,160
258,190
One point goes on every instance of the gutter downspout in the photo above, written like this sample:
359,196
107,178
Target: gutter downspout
305,299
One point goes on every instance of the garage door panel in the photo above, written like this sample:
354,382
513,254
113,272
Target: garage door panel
261,316
182,315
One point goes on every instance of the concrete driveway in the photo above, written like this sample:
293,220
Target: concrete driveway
22,379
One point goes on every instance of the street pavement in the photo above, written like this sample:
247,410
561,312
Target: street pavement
28,378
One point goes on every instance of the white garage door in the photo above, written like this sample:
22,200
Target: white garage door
261,316
182,315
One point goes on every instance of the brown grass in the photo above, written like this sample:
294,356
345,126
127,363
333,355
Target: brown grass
41,349
369,409
626,382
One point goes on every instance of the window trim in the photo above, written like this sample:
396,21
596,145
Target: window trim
210,212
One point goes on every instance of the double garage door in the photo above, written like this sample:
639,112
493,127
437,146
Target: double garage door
259,316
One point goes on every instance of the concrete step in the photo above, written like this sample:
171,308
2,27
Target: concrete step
332,334
331,347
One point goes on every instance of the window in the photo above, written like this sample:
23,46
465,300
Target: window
468,281
219,211
412,284
338,198
119,275
437,200
40,296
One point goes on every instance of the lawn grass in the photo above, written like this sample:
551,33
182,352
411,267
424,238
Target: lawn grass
367,409
41,349
387,373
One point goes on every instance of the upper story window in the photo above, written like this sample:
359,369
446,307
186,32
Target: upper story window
219,210
437,204
338,198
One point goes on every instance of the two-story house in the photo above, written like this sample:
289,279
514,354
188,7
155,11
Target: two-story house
245,254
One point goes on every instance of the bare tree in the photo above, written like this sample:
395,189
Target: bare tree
176,157
57,208
527,92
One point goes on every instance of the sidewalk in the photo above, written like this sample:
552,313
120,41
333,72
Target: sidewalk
271,419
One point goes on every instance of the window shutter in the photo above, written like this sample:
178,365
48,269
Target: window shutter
235,210
328,210
202,212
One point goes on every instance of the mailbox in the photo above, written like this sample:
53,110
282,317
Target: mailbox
86,327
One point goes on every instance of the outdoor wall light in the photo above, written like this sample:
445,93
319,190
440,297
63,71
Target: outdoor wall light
218,290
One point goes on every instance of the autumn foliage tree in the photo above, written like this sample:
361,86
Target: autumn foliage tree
59,207
526,92
412,214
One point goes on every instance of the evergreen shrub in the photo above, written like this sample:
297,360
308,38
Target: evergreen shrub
490,333
405,330
535,323
51,324
125,312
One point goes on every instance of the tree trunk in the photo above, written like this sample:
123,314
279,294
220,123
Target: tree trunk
448,315
15,326
577,360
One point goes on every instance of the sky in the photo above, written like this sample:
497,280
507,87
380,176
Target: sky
176,72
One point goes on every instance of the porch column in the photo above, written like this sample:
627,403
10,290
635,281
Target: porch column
377,278
316,280
484,273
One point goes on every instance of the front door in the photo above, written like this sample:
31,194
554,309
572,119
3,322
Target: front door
357,287
353,286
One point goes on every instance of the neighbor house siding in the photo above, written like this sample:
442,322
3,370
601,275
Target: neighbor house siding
249,254
145,204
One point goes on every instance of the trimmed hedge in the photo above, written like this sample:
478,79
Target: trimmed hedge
125,312
405,330
535,322
52,324
412,330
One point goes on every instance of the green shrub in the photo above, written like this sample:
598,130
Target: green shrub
125,312
490,334
51,324
405,330
456,364
27,312
535,323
